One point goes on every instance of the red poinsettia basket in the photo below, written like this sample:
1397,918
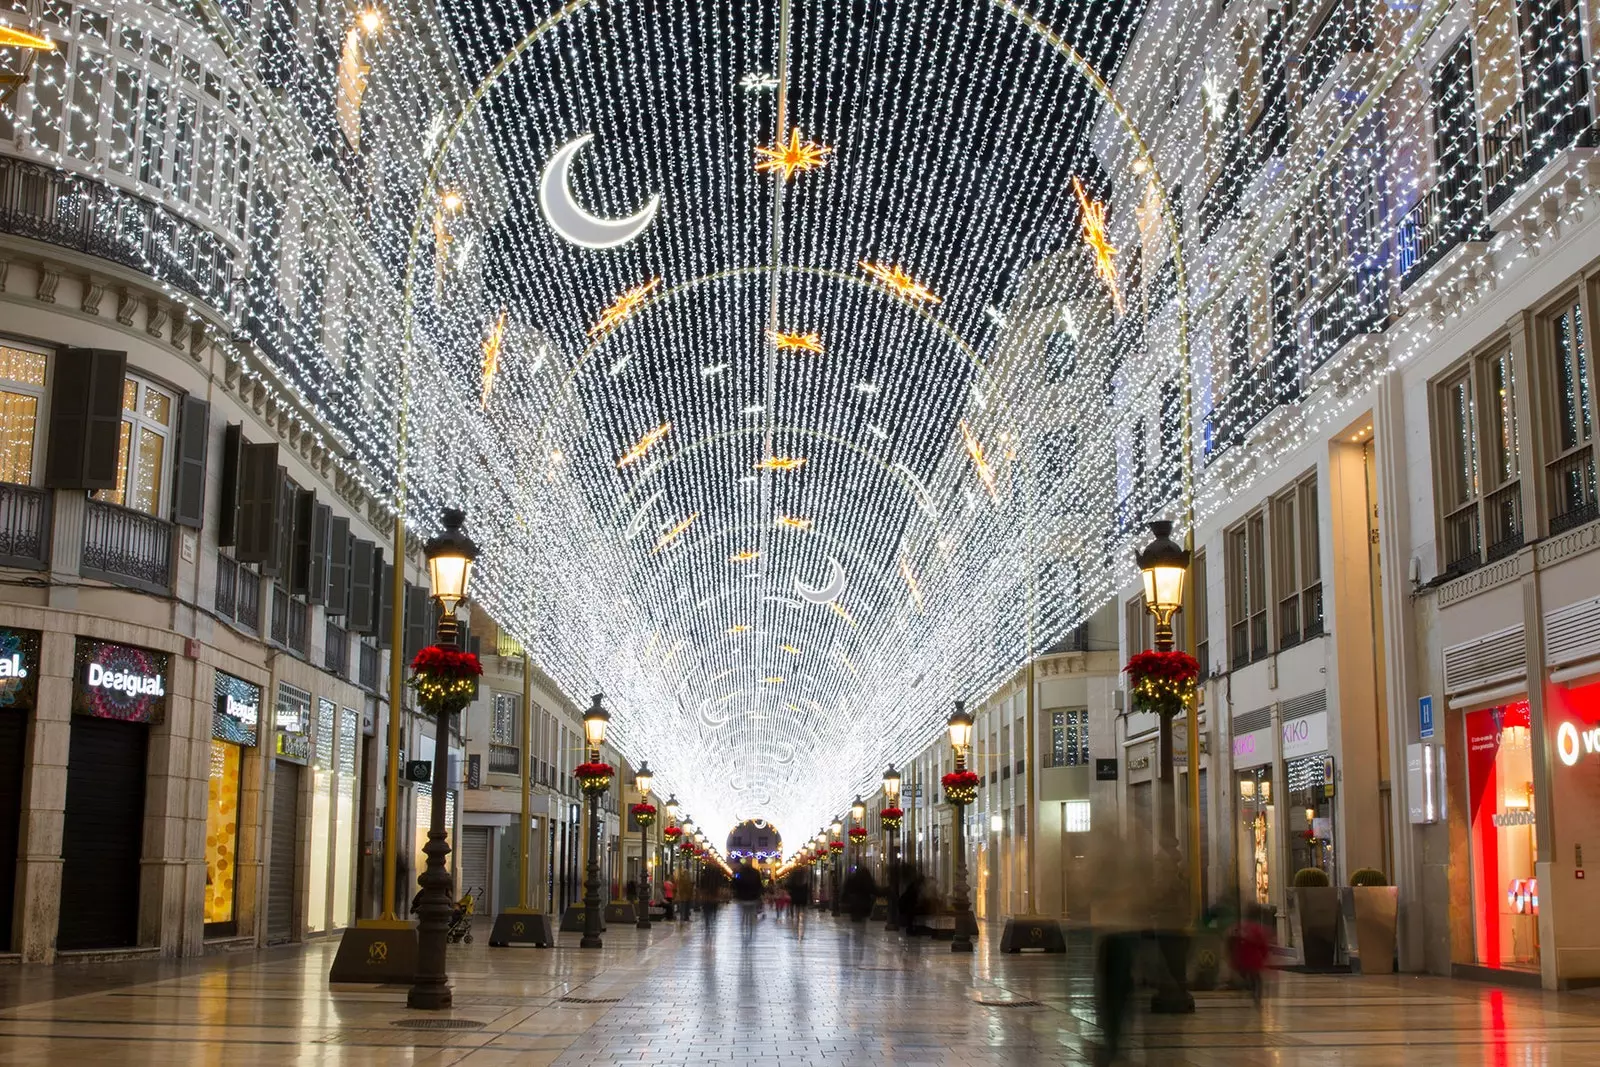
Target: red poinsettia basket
643,814
858,833
1163,682
891,818
687,845
594,777
960,787
835,846
672,833
444,677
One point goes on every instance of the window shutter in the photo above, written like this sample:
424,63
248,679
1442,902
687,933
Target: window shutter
85,419
257,532
321,551
228,506
283,554
361,590
189,494
339,550
417,619
305,510
385,598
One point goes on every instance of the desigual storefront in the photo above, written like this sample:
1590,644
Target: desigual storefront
235,734
19,687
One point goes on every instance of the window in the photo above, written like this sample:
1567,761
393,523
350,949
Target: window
1247,591
1198,603
21,392
1571,471
505,709
1069,738
1297,563
1480,493
147,415
1140,624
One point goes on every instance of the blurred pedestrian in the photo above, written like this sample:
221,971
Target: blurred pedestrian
1249,949
859,894
747,891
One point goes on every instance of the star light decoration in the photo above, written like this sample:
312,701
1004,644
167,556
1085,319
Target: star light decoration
370,334
796,342
792,157
1093,216
623,306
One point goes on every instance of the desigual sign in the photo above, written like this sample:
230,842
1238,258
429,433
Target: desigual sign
119,682
19,652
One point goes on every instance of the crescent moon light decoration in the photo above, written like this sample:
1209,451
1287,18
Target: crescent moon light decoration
828,593
575,225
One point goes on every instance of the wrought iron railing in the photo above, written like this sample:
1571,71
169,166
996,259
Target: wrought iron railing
65,209
299,641
248,613
127,547
367,666
1572,490
1356,304
279,634
1348,28
336,649
505,759
227,598
1503,516
1463,540
24,526
1443,217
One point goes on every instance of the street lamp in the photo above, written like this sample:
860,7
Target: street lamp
858,816
642,780
595,721
450,556
891,797
833,860
1163,569
960,728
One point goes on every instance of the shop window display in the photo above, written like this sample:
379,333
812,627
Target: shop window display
1257,824
1503,840
1311,809
222,832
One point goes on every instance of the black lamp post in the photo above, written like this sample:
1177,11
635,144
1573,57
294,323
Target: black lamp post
834,856
450,556
1163,566
673,811
642,780
960,727
891,797
595,721
858,816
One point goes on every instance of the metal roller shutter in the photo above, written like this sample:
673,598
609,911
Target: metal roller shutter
474,864
281,875
103,834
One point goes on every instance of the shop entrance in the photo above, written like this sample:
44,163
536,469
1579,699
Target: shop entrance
103,834
13,740
1503,840
283,876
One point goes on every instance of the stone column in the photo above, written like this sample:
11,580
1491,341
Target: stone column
44,802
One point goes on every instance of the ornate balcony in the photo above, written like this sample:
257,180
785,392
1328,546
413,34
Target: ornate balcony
127,547
24,526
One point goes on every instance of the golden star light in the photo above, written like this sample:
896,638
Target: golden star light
792,157
746,556
980,462
796,342
1095,240
738,628
625,305
900,283
674,533
789,522
643,445
781,463
11,37
492,347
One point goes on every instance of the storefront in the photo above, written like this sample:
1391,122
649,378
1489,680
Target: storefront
1308,786
19,669
235,728
292,746
1254,754
118,693
331,859
1502,838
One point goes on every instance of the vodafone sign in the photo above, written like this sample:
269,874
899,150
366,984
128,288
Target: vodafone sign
1572,742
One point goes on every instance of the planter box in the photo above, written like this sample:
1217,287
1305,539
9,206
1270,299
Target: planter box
1369,923
1316,924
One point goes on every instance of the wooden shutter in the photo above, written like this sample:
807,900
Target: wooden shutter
299,571
321,550
256,537
189,488
228,506
361,589
85,419
385,598
283,553
417,619
339,550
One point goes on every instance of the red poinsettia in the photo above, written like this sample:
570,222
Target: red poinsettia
1163,682
643,809
960,787
858,833
446,663
672,833
835,846
891,813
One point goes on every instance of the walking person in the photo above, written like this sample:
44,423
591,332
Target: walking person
710,885
747,891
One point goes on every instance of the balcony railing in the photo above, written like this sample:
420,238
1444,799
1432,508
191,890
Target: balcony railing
367,666
1348,28
24,526
248,612
127,547
1572,491
1356,304
279,634
336,649
1536,128
505,759
64,209
1463,540
299,627
1503,514
1442,218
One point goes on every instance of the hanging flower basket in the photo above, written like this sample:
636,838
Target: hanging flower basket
672,833
643,814
858,834
594,777
960,787
444,678
1162,682
835,846
686,845
891,818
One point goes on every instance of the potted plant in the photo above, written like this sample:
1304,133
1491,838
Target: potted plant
1370,921
1316,917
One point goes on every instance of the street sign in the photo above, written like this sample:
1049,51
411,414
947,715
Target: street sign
1425,716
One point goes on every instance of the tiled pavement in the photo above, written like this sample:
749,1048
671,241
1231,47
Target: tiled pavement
825,994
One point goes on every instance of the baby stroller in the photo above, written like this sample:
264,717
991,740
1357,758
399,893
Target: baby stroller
460,928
